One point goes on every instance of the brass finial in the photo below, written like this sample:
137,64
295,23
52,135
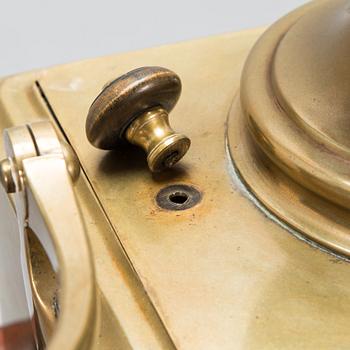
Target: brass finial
135,108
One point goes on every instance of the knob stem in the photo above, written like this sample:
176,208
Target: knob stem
152,132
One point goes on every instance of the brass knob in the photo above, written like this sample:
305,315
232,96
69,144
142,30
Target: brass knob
135,108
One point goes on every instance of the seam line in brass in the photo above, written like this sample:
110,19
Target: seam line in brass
94,194
51,110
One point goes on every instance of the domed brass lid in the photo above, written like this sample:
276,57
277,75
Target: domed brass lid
299,108
311,74
295,104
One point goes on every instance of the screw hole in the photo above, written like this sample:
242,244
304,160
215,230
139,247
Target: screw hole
178,197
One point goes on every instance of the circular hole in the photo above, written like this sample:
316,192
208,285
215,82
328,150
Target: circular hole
178,197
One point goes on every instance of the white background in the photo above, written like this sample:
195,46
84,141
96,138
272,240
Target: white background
41,33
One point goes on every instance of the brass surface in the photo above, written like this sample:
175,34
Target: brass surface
135,107
221,274
72,161
129,319
38,166
293,100
225,273
153,133
6,177
45,286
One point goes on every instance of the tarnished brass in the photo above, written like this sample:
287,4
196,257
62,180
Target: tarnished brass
152,132
293,103
135,107
261,261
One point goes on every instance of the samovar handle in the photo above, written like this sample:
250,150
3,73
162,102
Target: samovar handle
38,176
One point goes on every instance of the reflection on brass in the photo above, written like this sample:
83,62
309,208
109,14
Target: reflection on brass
45,285
72,161
46,207
6,177
260,257
294,106
135,107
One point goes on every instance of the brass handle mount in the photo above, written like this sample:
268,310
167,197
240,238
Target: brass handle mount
39,174
135,108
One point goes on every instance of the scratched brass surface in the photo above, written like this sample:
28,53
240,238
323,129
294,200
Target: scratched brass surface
219,275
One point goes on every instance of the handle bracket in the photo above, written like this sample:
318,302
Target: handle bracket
41,172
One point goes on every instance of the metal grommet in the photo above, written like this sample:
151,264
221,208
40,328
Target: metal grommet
178,197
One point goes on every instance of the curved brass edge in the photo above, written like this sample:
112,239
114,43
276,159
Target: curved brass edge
316,218
310,75
38,167
18,145
126,97
44,284
301,156
78,299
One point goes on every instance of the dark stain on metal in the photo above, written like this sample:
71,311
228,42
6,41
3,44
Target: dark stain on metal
178,197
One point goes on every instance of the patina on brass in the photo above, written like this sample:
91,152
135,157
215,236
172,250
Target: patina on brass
135,108
227,273
294,105
178,197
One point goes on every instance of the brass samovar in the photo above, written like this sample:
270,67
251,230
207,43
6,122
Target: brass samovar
192,196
